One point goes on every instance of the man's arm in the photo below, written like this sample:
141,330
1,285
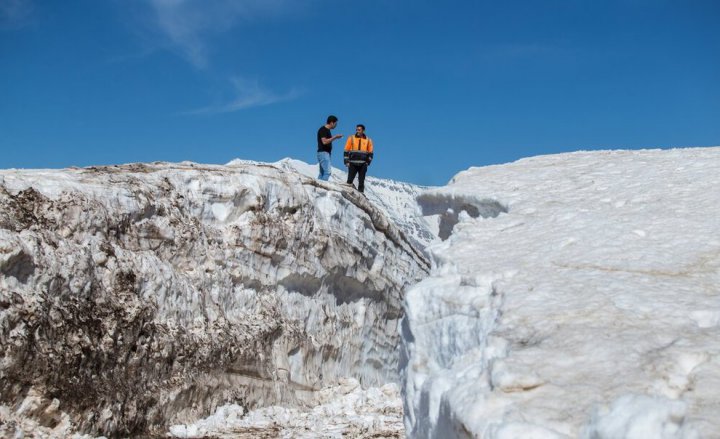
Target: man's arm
329,140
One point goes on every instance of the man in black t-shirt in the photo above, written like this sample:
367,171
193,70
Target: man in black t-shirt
325,140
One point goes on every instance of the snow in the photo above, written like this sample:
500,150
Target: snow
57,424
640,417
341,411
588,308
573,295
146,295
397,199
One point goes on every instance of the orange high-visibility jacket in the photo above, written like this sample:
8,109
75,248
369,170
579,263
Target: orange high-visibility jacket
358,150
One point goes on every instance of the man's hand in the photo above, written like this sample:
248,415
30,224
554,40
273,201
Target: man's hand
337,136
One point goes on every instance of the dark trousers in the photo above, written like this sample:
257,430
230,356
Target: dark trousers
359,169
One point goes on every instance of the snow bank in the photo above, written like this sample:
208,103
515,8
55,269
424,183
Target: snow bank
586,306
146,294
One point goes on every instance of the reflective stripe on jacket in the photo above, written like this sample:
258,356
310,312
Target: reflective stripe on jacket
358,150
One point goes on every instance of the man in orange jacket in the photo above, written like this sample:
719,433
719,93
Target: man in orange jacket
358,155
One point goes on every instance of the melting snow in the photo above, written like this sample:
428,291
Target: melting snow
573,295
590,308
341,411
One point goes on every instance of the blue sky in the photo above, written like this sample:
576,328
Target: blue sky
441,86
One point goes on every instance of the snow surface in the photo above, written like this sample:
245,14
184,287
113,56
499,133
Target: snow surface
341,411
573,295
589,308
146,295
397,199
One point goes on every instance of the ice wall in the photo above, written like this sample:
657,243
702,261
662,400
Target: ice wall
137,296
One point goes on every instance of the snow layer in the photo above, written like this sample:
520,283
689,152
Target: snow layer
582,301
140,295
341,411
397,199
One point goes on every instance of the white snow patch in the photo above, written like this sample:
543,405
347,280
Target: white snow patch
587,277
640,417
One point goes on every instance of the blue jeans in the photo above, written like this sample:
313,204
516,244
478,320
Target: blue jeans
325,166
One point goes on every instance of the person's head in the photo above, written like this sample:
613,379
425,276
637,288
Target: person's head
360,129
332,121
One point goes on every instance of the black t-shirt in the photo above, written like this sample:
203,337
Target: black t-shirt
324,132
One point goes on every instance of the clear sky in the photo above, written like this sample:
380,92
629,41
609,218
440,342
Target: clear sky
440,85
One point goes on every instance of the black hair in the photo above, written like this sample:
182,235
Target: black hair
361,126
331,119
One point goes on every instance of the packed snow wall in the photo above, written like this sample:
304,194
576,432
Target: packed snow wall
136,296
575,296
